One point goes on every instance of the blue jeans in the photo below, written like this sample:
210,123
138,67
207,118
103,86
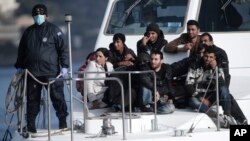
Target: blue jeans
224,97
195,103
147,96
225,100
162,107
165,107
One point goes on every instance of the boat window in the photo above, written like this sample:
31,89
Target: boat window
132,16
224,15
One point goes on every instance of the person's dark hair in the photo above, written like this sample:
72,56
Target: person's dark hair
201,47
210,50
90,56
41,6
104,51
119,36
207,34
157,52
193,22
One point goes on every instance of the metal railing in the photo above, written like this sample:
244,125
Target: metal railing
109,79
122,96
130,101
85,101
52,80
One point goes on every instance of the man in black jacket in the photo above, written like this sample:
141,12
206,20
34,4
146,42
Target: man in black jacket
164,91
201,87
222,58
43,52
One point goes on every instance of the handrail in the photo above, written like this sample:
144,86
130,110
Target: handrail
129,75
22,108
78,79
122,93
51,80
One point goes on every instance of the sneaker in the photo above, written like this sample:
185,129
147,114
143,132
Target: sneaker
147,108
31,127
229,120
222,121
166,108
244,122
116,108
102,104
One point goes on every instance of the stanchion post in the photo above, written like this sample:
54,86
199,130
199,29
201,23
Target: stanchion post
68,20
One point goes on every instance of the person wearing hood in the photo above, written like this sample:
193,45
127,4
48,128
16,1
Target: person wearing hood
153,40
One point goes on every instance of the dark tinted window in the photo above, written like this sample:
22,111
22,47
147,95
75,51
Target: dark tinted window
224,15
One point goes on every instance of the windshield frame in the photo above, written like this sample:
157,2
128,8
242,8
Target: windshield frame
168,28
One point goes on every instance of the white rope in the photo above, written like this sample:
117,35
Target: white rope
43,83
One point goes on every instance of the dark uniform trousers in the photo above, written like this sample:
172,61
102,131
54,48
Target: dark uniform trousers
34,97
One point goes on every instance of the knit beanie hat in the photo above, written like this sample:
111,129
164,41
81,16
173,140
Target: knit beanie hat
39,6
153,27
119,36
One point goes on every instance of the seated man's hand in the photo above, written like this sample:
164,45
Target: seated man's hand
185,47
213,64
205,101
129,57
157,98
125,63
165,97
145,40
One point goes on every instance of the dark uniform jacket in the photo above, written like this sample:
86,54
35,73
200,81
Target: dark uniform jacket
42,50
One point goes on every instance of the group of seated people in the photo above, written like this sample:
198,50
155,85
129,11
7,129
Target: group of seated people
198,71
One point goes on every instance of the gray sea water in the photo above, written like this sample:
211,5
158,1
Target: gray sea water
5,78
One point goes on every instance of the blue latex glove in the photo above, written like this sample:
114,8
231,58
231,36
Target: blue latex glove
64,72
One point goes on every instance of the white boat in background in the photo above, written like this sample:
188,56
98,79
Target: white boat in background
129,17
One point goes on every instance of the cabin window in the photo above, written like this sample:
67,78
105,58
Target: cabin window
132,16
224,15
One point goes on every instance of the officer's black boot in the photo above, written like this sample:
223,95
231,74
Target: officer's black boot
62,123
31,127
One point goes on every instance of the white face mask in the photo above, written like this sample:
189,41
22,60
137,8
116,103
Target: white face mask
39,19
